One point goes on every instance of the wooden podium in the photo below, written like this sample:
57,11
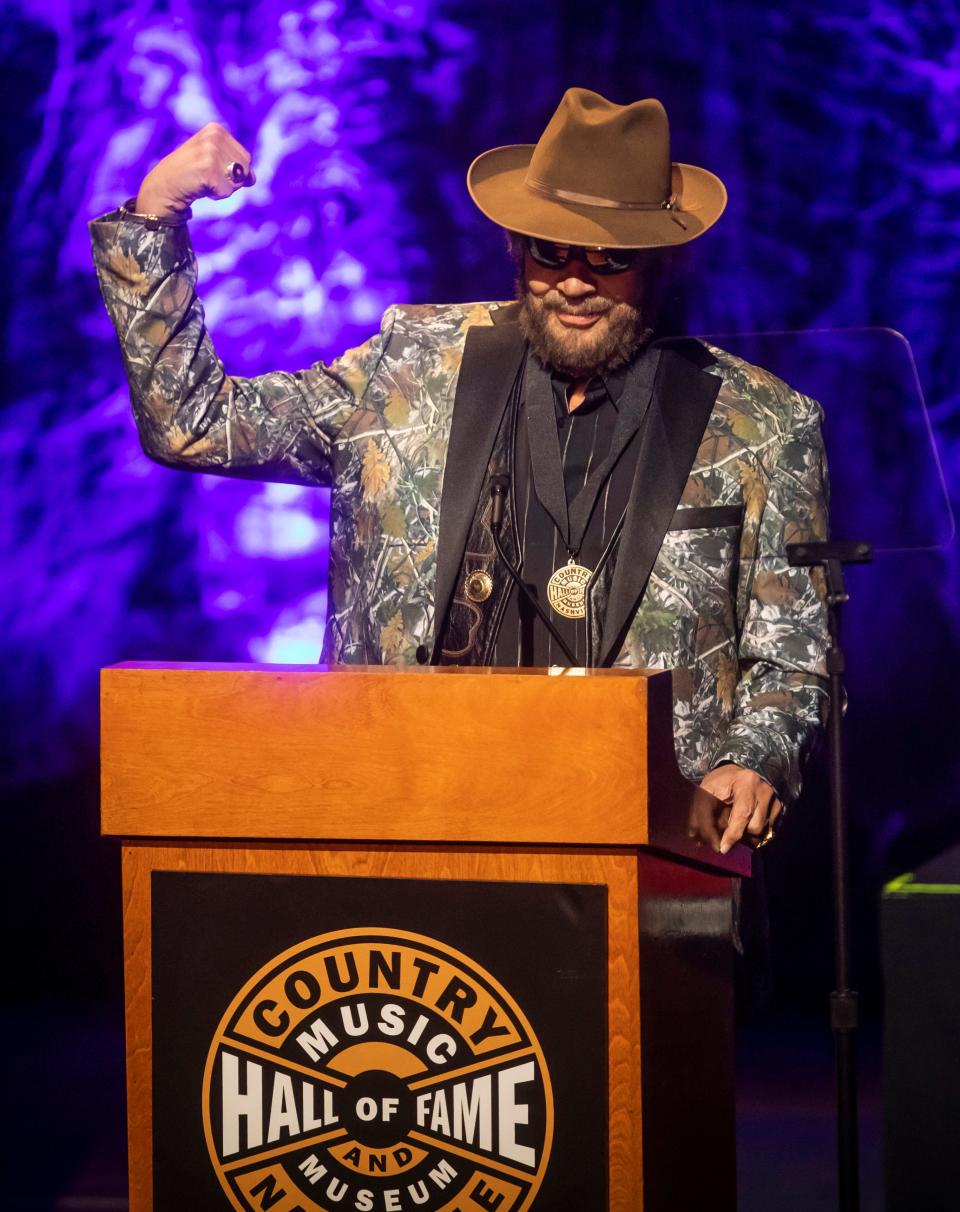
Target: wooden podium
496,820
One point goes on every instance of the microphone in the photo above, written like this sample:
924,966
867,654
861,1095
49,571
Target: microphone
498,493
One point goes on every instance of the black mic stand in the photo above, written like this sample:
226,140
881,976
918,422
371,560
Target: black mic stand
831,557
498,493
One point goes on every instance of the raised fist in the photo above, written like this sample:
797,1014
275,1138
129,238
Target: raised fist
211,164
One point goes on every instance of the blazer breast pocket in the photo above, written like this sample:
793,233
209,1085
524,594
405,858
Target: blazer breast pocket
706,517
701,544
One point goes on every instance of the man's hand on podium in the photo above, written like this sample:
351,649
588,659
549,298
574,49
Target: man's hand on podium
748,809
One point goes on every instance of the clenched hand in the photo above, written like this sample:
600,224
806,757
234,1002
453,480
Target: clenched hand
197,169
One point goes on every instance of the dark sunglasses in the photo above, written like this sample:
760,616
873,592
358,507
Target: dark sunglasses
601,260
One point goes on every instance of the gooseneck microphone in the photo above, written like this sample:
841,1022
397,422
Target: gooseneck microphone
498,493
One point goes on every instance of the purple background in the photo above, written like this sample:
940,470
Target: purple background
837,131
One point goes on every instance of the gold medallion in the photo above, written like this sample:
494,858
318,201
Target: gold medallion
567,590
478,586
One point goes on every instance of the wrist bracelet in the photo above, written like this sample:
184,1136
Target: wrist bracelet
155,222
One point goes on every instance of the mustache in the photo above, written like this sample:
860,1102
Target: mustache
553,300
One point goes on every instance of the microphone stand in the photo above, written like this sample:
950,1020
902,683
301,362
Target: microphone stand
831,557
498,492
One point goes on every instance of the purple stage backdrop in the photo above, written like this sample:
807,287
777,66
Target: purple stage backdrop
836,128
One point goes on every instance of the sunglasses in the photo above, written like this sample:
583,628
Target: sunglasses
601,260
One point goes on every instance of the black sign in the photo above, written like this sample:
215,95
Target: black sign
378,1045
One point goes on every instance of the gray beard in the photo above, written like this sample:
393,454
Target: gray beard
581,354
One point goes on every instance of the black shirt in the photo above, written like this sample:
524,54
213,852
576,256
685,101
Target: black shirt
584,437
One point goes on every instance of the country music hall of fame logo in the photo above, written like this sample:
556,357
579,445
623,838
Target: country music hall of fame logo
380,1071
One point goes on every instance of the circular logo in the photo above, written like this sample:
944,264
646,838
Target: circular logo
567,590
380,1071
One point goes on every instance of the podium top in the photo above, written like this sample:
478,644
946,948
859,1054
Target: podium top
442,754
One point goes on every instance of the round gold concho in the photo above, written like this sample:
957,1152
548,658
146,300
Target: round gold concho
478,585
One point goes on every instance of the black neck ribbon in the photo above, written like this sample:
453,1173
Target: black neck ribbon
572,518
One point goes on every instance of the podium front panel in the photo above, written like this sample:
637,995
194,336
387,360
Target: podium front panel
378,1041
541,945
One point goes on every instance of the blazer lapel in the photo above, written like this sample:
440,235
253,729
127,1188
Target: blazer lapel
491,359
683,398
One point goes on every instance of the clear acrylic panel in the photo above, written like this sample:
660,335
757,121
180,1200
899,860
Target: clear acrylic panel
887,486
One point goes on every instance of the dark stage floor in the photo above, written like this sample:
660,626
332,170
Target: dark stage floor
65,1065
785,1117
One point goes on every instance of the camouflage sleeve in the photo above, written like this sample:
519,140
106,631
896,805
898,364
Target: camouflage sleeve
190,413
782,695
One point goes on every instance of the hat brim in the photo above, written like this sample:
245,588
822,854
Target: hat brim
496,181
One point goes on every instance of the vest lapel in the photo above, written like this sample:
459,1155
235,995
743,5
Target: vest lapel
683,397
491,359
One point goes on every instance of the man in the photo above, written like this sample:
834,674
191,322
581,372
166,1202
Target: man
643,492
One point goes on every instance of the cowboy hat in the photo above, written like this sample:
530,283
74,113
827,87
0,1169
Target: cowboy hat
601,177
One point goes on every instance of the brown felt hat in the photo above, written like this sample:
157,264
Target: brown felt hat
601,176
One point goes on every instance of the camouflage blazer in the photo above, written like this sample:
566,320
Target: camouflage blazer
401,429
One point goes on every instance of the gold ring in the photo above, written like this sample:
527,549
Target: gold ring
767,837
